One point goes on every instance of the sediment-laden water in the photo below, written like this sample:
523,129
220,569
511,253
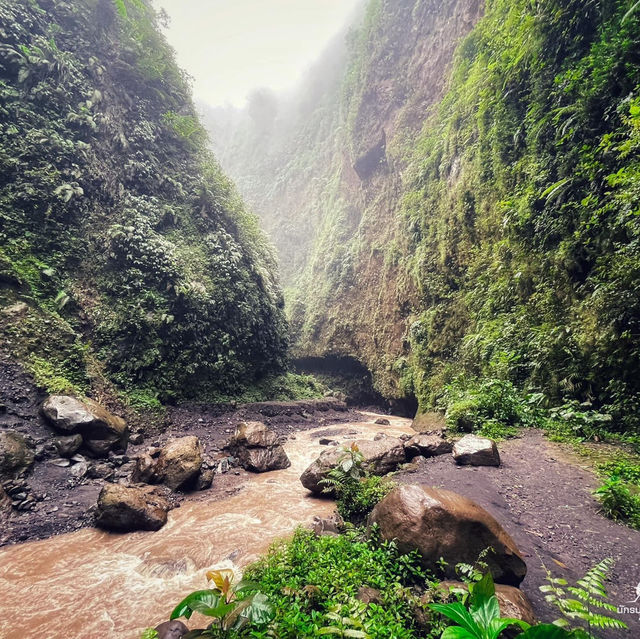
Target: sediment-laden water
93,584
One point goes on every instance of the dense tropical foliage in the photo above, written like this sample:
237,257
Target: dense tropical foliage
132,250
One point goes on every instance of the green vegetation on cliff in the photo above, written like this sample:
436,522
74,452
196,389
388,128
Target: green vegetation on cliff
475,208
135,256
523,208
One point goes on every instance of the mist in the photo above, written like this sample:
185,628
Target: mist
233,47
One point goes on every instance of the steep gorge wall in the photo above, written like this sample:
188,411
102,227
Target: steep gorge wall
474,214
327,180
125,253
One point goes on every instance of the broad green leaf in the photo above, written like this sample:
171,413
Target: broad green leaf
482,590
260,611
186,607
243,585
458,614
456,632
545,631
217,612
497,626
487,611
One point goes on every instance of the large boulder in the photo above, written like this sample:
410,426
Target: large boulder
472,450
128,508
427,446
433,423
380,457
16,454
179,462
254,435
312,477
257,448
442,524
100,430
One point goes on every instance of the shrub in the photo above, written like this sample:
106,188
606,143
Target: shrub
357,499
491,407
620,500
312,578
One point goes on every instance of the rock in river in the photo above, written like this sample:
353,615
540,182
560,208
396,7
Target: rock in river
380,457
440,523
128,508
179,462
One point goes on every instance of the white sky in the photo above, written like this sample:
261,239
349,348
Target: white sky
233,46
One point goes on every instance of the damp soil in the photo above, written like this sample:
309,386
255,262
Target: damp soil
541,495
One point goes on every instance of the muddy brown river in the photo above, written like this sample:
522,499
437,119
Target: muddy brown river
96,585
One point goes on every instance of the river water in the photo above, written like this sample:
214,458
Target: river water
92,584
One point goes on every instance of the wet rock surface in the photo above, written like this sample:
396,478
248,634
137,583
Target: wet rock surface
129,508
441,524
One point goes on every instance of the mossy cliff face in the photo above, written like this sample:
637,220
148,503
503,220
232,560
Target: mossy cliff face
478,212
132,251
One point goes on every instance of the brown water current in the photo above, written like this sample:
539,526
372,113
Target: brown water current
98,585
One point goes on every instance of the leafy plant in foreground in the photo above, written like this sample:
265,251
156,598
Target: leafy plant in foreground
481,620
580,603
232,606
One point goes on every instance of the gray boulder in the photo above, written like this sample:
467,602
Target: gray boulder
128,508
171,630
427,446
100,430
442,524
472,450
68,445
16,454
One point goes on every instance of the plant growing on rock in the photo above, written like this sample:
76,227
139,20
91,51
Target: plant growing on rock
231,606
482,620
357,492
